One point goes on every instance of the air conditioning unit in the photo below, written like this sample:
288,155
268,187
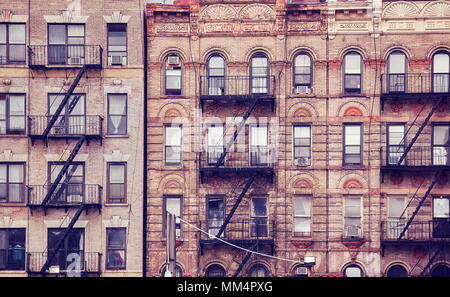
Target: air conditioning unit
215,91
302,90
353,231
54,269
302,161
177,232
302,271
173,60
76,61
117,60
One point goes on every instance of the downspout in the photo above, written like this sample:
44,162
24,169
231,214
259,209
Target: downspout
145,186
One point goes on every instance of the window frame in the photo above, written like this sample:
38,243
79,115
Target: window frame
397,75
361,212
303,216
209,76
8,44
361,132
433,145
266,76
8,249
8,116
171,92
294,146
352,91
7,184
310,74
66,42
344,274
164,214
64,248
108,266
68,126
257,152
208,218
173,164
108,52
125,115
61,163
388,145
433,73
108,188
214,149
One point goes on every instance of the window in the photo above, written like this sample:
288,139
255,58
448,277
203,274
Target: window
71,187
72,119
259,149
352,144
396,206
302,74
352,73
302,145
258,270
353,271
117,183
441,145
66,44
12,249
397,271
178,271
352,217
215,143
302,216
441,217
117,44
172,204
12,189
259,217
72,244
259,72
441,72
115,248
215,213
396,72
172,146
173,73
215,270
396,143
216,75
117,114
12,44
12,114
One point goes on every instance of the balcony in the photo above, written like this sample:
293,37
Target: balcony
237,88
240,232
418,158
417,232
257,159
65,195
90,262
71,126
65,56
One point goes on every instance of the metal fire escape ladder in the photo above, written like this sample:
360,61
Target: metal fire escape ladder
246,258
429,262
436,177
64,101
427,119
52,254
63,170
236,133
236,204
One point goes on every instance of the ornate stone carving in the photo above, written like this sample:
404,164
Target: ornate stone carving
257,12
219,12
400,9
437,9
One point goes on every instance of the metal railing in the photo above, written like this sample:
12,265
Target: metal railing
415,83
244,230
417,156
71,125
261,156
65,55
230,87
65,195
436,229
90,262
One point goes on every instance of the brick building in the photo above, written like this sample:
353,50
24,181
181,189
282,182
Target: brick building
71,137
268,124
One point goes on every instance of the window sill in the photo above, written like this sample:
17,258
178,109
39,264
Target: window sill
12,65
117,204
117,136
12,272
353,95
14,135
6,204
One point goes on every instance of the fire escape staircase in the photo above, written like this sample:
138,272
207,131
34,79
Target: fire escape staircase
246,258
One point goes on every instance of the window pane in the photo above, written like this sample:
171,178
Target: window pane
216,62
259,62
17,52
440,135
396,206
396,134
353,272
397,63
3,173
259,208
302,206
75,30
302,131
173,79
352,135
441,63
173,136
352,64
441,208
117,173
16,33
2,33
116,258
215,136
258,135
56,34
352,207
302,225
16,173
303,60
116,238
3,242
173,206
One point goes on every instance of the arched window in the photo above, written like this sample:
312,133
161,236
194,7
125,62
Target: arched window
173,74
259,72
397,72
302,74
178,271
440,271
352,73
258,270
216,75
397,271
215,270
353,271
441,71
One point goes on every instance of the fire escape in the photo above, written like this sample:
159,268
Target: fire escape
402,155
249,165
61,192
